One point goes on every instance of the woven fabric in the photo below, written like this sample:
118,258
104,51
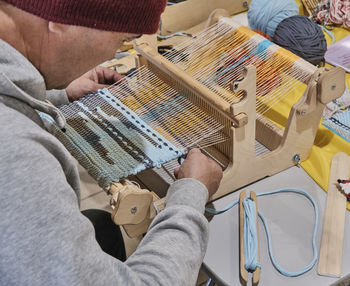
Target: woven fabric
128,16
109,140
340,124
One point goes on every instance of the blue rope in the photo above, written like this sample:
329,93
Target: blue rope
329,33
251,244
250,235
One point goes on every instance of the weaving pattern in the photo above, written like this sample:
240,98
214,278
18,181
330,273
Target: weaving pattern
138,123
110,140
340,124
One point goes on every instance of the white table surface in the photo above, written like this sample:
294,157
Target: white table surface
290,218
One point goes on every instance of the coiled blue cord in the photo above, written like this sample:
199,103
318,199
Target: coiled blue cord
251,245
250,235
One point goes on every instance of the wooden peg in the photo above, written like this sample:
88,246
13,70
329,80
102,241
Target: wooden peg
240,119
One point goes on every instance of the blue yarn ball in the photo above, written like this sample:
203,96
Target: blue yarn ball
265,15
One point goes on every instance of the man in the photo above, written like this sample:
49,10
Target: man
44,238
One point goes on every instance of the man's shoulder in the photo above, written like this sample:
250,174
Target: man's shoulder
19,133
16,128
29,150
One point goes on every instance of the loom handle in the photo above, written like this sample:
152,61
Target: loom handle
331,84
326,84
134,208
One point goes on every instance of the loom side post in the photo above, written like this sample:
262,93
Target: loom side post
304,118
244,113
298,137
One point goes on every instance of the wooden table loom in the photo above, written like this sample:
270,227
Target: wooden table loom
235,107
213,91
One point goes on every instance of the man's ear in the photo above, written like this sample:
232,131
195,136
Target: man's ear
57,27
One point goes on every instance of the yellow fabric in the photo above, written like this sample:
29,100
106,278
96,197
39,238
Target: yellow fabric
302,10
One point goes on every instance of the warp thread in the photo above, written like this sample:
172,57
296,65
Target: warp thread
267,75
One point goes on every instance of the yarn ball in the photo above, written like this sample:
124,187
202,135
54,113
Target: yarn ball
265,15
303,37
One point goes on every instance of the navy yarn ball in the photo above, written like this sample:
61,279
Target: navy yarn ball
303,37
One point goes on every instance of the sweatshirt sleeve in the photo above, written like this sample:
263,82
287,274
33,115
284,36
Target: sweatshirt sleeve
176,241
57,96
45,240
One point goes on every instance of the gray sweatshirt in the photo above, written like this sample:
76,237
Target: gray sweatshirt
44,239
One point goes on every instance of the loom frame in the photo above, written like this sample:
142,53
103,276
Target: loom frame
287,147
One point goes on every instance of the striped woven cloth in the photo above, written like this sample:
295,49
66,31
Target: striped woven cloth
109,140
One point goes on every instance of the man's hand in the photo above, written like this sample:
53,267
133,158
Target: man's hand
200,167
93,80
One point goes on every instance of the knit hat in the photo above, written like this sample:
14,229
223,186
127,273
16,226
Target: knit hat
128,16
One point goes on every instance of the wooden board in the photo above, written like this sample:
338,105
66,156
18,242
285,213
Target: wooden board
331,253
190,13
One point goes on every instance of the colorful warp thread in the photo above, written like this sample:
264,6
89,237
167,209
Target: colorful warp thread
267,75
109,140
